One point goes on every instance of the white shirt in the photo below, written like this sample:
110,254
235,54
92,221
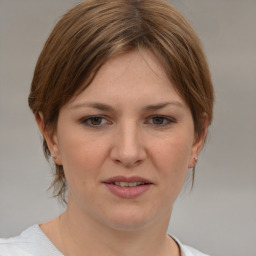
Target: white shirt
33,242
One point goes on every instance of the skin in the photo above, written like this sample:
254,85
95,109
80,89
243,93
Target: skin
142,128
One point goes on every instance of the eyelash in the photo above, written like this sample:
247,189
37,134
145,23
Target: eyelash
88,121
167,120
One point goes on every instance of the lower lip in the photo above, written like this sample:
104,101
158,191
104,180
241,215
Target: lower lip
127,192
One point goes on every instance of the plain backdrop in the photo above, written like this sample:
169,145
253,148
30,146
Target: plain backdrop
219,215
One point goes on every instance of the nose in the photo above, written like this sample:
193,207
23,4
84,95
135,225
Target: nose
128,147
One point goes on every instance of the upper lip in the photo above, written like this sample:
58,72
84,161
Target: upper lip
127,179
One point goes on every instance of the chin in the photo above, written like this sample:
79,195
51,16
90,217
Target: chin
130,219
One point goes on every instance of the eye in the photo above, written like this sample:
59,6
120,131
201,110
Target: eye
160,120
95,121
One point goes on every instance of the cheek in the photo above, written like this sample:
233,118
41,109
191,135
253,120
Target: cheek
171,157
174,151
81,158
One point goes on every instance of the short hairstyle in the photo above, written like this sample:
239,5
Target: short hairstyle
94,31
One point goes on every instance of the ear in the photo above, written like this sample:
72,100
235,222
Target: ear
198,143
50,137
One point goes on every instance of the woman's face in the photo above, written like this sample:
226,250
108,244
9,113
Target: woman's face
126,143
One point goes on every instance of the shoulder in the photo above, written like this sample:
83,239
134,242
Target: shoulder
187,250
31,242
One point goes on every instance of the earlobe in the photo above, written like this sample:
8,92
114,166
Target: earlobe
50,137
198,143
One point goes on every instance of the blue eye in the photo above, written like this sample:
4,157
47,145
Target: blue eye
95,121
161,120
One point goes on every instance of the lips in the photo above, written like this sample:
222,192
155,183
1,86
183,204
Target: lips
128,184
127,187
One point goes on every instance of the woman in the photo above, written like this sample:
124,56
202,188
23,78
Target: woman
123,98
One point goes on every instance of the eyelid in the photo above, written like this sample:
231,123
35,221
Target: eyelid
85,120
166,119
169,119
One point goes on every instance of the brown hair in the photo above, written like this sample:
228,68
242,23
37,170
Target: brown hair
96,30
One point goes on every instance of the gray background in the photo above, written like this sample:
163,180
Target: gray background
219,215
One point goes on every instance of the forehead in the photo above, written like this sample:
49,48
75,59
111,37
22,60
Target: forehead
137,75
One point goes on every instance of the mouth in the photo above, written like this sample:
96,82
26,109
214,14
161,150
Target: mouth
123,181
128,184
127,187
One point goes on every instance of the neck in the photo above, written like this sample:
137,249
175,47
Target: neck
81,234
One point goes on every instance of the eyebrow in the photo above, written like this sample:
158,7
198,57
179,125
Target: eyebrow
163,105
105,107
97,105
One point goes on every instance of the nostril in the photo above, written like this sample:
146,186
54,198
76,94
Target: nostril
127,148
128,163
